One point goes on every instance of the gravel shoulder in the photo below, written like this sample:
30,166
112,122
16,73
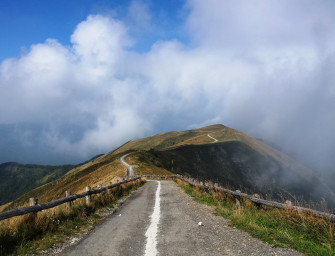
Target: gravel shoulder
180,233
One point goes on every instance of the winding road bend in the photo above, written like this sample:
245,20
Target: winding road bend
130,168
160,219
215,140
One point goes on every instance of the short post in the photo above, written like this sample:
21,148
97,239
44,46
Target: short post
258,197
288,204
109,189
68,204
238,199
238,203
32,202
88,197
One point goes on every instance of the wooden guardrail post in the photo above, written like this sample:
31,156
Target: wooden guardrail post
32,202
88,197
258,205
109,190
288,204
68,204
238,199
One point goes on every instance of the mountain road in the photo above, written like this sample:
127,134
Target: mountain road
160,219
130,168
215,140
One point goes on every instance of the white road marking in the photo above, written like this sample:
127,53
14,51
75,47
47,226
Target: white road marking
150,248
215,140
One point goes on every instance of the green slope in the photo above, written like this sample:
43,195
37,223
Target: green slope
17,179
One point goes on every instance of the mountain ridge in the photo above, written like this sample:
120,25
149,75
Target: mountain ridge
195,153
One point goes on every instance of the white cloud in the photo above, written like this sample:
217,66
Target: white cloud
264,67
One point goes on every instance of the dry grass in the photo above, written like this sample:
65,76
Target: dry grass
89,174
2,207
287,227
198,137
145,164
24,234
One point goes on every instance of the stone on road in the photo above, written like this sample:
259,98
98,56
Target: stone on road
179,232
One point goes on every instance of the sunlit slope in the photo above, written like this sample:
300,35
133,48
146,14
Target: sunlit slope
199,136
178,138
235,159
91,173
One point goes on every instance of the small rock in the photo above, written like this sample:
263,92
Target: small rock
120,214
200,223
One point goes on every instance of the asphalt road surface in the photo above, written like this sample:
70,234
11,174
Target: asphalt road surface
160,219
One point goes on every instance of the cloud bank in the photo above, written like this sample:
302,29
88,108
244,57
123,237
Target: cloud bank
263,67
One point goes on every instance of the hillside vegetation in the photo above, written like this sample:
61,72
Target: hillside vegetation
235,160
89,174
216,153
17,179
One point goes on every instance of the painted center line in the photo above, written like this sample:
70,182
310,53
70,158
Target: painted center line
150,248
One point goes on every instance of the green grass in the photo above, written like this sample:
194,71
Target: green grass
29,176
31,235
280,227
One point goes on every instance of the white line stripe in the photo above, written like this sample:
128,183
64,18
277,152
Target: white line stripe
150,248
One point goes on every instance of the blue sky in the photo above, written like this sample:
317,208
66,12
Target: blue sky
30,22
79,78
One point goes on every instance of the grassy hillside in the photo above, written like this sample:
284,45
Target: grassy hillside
17,179
238,166
200,136
91,173
235,160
